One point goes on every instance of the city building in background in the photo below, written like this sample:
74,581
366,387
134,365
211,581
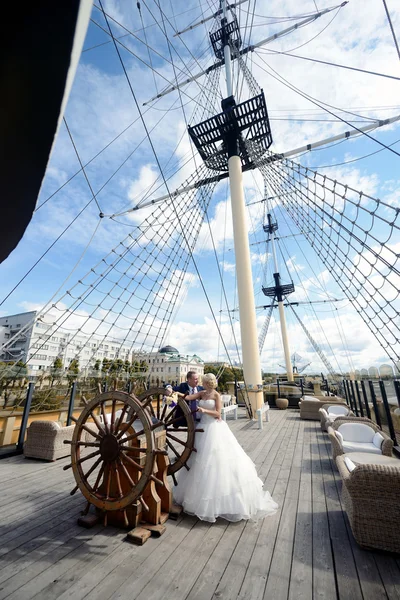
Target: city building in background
39,344
169,366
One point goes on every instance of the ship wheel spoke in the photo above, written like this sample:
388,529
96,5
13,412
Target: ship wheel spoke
103,414
81,460
159,400
126,472
93,468
126,520
131,461
170,415
173,449
149,404
108,480
135,435
86,509
114,402
121,418
133,449
93,433
97,482
126,426
82,443
162,417
97,422
179,426
176,439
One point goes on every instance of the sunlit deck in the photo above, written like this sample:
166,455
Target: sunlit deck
306,551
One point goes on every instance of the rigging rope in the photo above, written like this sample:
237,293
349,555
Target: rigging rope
353,234
317,348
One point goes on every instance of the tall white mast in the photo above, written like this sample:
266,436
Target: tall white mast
278,291
247,312
225,143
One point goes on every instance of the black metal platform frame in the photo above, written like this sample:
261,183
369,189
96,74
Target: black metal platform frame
278,290
228,33
243,124
270,228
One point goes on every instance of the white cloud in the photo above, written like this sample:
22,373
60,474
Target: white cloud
101,106
228,267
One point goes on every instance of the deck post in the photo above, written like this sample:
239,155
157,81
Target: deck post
358,396
25,415
71,403
397,390
364,391
375,404
387,411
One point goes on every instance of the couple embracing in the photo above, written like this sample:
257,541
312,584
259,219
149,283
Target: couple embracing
222,480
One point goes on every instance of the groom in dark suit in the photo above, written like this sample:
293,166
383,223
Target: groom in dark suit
190,386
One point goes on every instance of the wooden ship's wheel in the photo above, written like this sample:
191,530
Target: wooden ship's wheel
124,474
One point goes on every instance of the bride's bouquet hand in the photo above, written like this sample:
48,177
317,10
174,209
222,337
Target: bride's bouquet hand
200,410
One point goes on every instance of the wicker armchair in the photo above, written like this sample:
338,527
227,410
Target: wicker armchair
370,494
45,440
328,413
343,443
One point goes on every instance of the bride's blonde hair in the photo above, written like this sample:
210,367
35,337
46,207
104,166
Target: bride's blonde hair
209,378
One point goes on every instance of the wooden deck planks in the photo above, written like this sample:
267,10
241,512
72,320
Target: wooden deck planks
301,576
304,552
258,568
324,585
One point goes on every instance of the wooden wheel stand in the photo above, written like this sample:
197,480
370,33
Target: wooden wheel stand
148,515
128,480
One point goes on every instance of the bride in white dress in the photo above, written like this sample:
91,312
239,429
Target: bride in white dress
222,480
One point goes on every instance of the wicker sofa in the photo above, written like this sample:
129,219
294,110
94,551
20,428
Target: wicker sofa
370,494
310,405
358,435
45,440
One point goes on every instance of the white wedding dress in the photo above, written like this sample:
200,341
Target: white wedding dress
222,480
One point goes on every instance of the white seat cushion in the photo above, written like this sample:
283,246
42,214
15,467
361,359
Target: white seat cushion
378,439
360,447
337,410
357,432
309,398
349,464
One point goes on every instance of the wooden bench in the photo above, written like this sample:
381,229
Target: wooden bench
264,410
227,409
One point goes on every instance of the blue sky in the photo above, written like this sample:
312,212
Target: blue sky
101,106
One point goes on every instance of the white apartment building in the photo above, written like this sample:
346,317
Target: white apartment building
169,366
39,344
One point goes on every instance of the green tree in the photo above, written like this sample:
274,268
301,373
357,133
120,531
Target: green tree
58,363
56,372
105,366
12,377
73,370
227,374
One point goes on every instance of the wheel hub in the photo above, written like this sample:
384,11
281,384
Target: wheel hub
109,447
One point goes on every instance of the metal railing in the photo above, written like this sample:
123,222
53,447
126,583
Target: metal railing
377,400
